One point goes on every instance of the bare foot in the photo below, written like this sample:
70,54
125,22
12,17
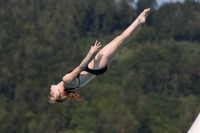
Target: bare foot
142,17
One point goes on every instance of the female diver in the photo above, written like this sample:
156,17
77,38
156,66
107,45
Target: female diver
88,69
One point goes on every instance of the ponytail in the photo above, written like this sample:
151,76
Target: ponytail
73,96
64,95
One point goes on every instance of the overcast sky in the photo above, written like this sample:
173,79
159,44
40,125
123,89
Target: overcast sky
159,2
165,1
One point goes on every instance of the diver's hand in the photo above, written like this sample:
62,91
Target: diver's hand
96,47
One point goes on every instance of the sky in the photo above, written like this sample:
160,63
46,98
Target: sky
160,2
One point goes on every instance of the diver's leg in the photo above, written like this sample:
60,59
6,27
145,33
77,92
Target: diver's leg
107,53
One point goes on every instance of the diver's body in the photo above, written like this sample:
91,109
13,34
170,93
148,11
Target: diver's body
88,69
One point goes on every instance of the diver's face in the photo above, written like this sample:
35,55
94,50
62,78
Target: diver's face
55,91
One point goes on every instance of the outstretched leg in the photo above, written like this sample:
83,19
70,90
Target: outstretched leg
108,52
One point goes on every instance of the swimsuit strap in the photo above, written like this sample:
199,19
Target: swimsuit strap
72,88
75,87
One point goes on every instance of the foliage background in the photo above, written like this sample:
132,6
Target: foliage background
152,85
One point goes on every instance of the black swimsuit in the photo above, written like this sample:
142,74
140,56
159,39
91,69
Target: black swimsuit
95,72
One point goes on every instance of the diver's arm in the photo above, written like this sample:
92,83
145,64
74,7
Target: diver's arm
83,64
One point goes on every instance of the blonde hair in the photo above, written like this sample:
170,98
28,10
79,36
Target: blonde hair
63,96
